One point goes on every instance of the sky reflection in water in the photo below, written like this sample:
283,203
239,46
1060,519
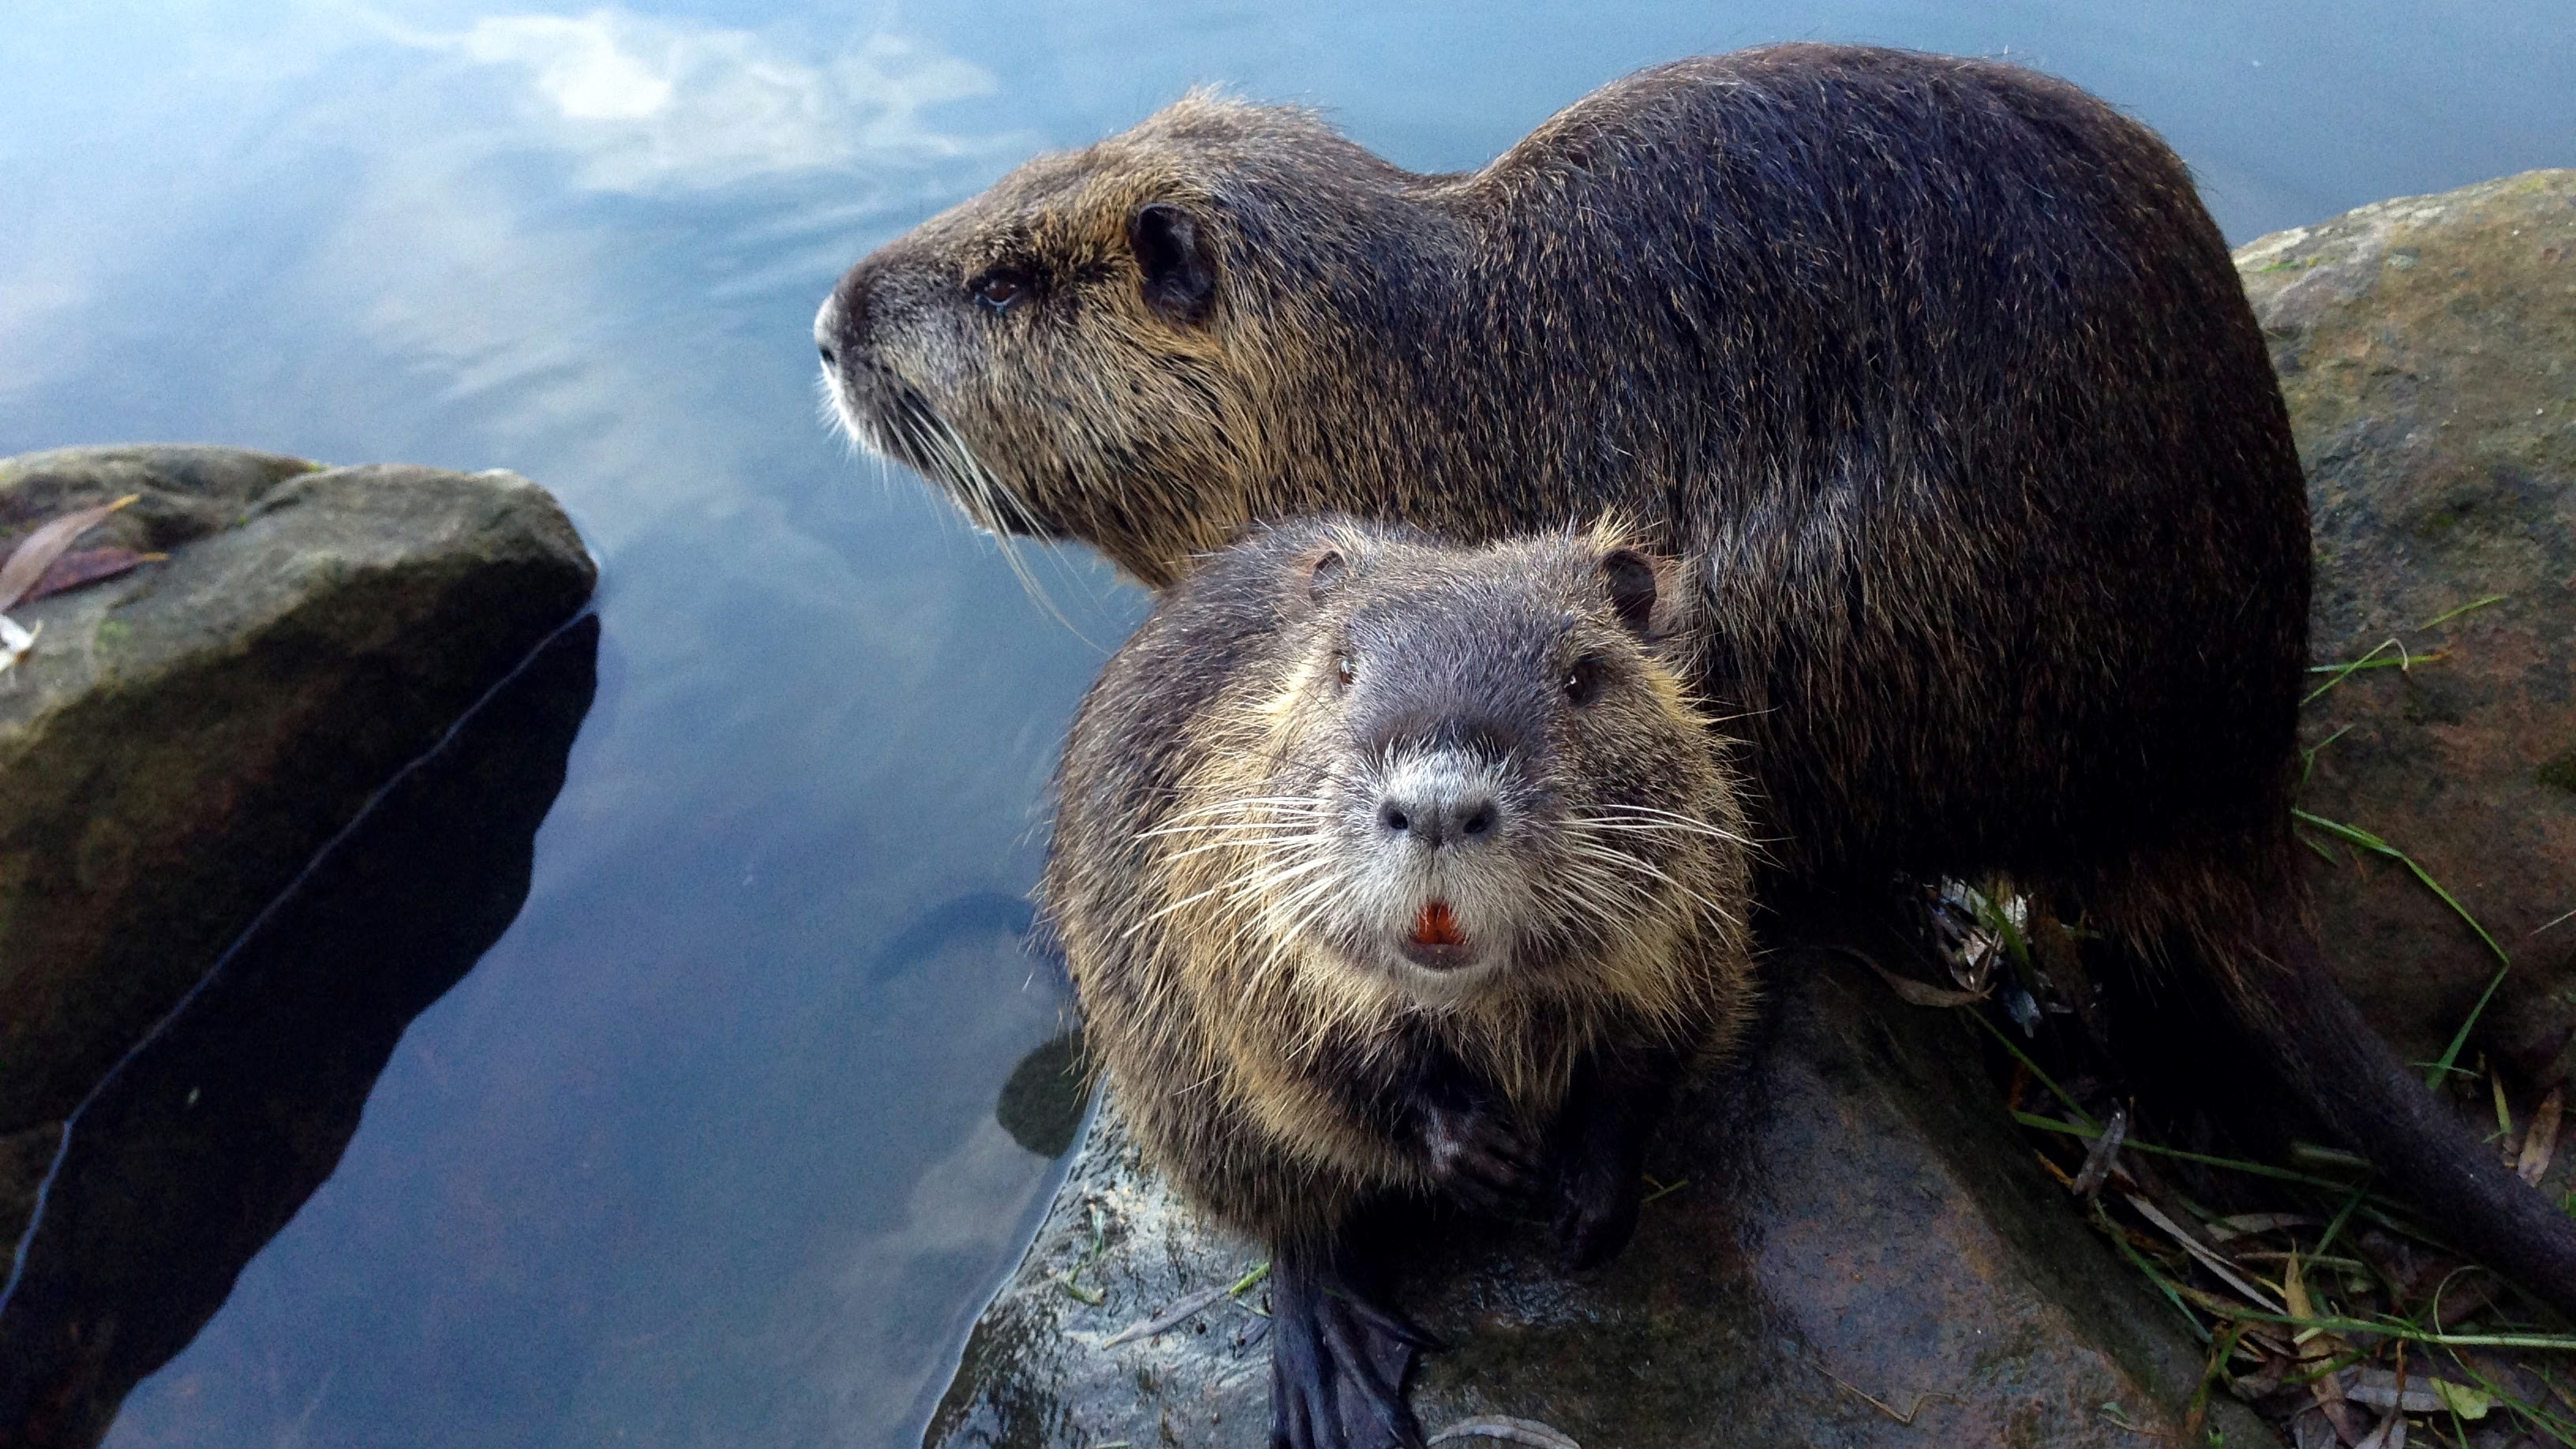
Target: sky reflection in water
703,1152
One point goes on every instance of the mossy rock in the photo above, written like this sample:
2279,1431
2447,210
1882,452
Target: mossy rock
2427,349
184,738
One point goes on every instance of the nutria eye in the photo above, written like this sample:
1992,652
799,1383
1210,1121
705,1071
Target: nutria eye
1343,673
1583,682
999,288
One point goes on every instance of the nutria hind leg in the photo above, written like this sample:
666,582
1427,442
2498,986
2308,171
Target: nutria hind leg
1600,1151
2382,1108
1337,1359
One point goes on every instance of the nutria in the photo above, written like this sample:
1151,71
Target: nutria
1935,370
1392,869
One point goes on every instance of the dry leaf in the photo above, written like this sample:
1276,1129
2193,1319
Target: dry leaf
2315,1352
37,551
2379,1389
2313,1430
2391,1433
2106,1149
88,566
1922,993
2247,1224
2208,1256
1172,1317
2542,1142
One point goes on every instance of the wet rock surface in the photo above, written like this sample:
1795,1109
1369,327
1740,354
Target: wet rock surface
1853,1217
184,738
2427,349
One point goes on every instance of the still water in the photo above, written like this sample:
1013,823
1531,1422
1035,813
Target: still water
704,1150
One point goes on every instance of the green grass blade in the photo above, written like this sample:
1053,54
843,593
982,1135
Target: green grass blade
2088,1131
2448,616
2344,670
2352,835
2045,1080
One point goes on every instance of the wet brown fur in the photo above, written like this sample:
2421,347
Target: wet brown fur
1935,370
1258,1064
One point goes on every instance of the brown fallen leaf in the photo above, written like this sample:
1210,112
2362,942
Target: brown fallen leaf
2317,1350
87,566
37,551
2542,1141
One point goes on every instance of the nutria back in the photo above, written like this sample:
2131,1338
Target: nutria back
1935,368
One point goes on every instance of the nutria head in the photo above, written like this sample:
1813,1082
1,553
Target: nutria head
1467,774
1093,348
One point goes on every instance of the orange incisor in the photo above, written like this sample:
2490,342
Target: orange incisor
1437,926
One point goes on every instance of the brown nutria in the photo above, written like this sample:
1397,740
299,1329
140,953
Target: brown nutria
1388,868
1935,371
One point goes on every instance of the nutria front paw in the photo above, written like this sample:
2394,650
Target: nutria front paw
1477,1156
1596,1212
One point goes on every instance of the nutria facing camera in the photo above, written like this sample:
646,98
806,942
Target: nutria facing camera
1934,370
1386,868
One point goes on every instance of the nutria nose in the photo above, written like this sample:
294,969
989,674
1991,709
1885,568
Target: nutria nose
841,326
1433,813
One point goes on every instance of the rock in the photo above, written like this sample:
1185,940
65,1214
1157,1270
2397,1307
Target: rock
1855,1216
1043,1103
186,737
205,1142
2427,348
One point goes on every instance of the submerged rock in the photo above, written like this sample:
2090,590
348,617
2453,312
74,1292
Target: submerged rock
2427,348
184,738
205,1142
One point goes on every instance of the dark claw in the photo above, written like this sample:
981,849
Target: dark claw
1337,1364
1477,1157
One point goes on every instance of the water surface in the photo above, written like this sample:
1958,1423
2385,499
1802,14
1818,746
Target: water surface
703,1151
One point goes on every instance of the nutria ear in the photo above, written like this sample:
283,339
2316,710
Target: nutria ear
1172,253
1310,576
1325,569
1633,586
